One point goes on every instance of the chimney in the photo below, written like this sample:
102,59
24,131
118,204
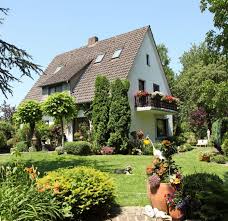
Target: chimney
92,40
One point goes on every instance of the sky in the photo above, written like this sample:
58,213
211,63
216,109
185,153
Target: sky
45,28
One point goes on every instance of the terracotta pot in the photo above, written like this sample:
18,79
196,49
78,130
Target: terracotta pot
157,196
176,214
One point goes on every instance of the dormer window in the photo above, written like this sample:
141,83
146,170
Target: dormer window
58,69
148,60
99,58
117,53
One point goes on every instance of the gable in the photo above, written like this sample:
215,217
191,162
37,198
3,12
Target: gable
152,73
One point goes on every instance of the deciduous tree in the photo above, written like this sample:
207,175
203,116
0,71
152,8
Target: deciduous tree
61,106
29,112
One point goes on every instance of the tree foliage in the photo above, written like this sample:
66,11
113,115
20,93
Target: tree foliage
100,110
29,112
62,107
13,58
170,75
6,111
202,83
217,39
119,115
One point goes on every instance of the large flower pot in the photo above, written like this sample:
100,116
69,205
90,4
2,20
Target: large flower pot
158,196
176,214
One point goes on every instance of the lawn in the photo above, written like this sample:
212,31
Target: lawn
131,189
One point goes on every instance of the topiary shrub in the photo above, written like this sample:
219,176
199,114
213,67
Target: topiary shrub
80,190
78,148
225,147
218,159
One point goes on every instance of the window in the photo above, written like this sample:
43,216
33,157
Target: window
141,85
156,87
161,128
117,53
54,89
58,69
148,60
99,58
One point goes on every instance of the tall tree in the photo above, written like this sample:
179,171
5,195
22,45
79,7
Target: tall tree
119,115
13,58
100,111
217,39
61,106
202,84
165,59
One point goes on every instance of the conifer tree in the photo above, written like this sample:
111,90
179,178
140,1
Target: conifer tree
100,112
119,115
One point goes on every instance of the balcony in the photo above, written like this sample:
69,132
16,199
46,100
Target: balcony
148,103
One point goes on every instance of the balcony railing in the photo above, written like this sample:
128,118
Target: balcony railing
148,101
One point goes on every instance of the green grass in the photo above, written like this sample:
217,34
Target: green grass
131,190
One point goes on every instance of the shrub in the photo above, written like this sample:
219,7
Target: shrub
59,150
225,147
147,149
218,159
2,140
83,190
22,146
190,138
205,156
20,199
185,147
107,150
22,134
205,195
11,142
32,149
78,148
7,129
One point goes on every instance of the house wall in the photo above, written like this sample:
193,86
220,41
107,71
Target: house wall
146,120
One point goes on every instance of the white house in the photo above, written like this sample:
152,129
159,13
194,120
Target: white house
131,56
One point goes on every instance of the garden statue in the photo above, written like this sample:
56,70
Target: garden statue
208,134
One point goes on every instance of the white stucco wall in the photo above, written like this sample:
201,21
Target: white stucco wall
146,120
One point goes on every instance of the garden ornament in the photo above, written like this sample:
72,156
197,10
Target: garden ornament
156,152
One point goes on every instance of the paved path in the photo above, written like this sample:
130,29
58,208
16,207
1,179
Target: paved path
130,214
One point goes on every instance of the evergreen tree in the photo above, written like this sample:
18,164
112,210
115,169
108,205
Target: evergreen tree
100,112
119,115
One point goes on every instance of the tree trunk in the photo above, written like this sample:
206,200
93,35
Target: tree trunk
62,132
32,129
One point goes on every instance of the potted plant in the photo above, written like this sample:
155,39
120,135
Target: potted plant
142,98
164,181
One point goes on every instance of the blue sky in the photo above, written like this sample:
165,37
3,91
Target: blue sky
46,28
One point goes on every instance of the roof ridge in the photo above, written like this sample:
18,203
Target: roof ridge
106,39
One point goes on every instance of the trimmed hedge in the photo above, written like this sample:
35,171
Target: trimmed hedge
80,190
185,147
78,148
218,159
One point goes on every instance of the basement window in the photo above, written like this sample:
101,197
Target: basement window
117,53
99,58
